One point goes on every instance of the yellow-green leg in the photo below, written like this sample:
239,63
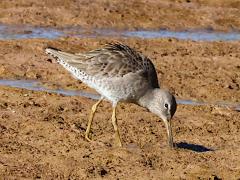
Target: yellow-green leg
114,122
93,110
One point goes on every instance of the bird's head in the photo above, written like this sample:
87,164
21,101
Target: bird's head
163,104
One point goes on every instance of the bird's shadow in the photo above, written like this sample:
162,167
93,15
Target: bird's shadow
193,147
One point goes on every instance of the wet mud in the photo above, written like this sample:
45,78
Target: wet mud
42,132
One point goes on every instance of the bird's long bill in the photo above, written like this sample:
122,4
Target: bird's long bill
169,132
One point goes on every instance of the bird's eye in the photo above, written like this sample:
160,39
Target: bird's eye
166,106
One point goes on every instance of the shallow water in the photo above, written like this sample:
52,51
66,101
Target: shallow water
28,32
38,86
190,35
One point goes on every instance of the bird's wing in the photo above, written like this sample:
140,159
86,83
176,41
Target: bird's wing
114,60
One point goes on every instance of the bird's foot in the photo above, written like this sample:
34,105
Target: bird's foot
119,144
87,138
118,139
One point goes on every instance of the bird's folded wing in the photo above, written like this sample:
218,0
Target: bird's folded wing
114,60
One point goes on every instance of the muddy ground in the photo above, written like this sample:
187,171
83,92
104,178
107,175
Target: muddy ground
131,14
42,134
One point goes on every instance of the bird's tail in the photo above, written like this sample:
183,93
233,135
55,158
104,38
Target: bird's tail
70,62
59,55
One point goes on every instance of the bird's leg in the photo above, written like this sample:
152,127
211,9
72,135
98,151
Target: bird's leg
93,110
114,122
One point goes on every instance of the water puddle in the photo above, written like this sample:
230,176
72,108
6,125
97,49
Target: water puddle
28,32
38,86
230,105
189,35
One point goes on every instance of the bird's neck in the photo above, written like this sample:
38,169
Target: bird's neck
144,100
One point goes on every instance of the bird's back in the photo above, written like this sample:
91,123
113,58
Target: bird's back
114,65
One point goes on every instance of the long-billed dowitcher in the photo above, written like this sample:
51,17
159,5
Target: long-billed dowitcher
120,74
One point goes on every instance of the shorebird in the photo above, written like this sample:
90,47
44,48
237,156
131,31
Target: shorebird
120,74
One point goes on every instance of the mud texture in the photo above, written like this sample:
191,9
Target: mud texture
131,14
42,134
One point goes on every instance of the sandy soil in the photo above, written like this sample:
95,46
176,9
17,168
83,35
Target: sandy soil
131,14
42,134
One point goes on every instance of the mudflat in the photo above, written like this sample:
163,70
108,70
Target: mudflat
42,134
132,14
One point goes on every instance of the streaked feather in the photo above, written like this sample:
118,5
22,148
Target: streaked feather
111,61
